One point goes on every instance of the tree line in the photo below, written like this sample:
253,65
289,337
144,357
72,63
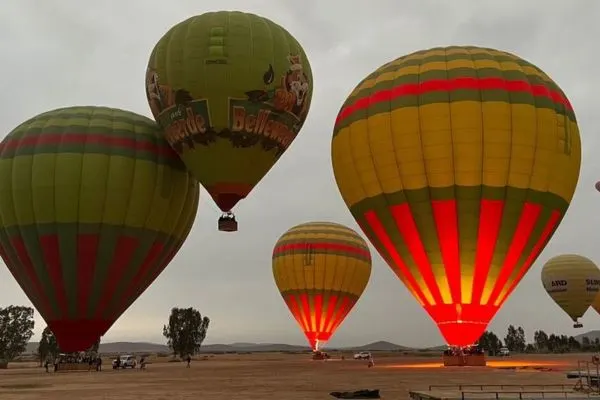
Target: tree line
185,331
515,341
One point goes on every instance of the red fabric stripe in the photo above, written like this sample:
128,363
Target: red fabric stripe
126,298
23,255
529,217
490,219
51,253
305,306
87,252
342,312
535,252
294,307
318,303
322,246
85,138
331,304
446,221
464,83
408,229
122,257
398,265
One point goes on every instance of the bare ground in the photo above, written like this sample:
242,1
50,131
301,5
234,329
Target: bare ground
269,376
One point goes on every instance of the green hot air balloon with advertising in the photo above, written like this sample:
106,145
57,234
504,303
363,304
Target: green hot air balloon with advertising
231,91
94,204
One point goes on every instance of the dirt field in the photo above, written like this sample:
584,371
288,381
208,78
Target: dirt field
269,376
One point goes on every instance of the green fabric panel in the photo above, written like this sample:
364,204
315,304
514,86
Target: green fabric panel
450,193
467,55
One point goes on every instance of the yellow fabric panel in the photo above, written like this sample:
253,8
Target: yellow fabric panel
326,273
468,143
350,188
321,269
572,281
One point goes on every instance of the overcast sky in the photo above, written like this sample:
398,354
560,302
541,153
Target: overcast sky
62,53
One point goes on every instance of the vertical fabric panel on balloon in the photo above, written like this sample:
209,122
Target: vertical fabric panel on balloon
93,205
321,270
458,163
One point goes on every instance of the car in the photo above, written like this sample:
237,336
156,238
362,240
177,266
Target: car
504,352
126,361
363,355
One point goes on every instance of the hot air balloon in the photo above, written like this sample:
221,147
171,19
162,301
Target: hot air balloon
231,90
458,163
93,206
321,270
572,281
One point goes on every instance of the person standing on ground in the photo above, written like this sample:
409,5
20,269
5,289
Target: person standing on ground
371,361
189,360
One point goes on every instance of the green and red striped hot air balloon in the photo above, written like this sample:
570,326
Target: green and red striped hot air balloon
459,164
93,206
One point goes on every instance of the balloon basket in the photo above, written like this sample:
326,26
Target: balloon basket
320,355
578,325
228,224
464,360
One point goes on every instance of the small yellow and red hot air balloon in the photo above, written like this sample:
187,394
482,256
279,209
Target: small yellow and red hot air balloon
321,270
458,163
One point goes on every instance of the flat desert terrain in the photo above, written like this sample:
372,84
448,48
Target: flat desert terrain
274,376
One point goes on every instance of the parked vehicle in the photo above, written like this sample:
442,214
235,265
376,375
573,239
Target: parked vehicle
504,352
363,355
126,361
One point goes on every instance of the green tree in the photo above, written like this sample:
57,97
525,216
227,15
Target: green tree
521,341
490,342
511,338
48,346
185,331
540,339
16,329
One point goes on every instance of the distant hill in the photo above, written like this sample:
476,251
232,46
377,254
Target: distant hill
592,335
380,346
143,347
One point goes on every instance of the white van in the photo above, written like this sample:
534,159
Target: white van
504,352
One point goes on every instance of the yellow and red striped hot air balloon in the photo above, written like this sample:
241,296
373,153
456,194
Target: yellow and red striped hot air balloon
459,164
321,270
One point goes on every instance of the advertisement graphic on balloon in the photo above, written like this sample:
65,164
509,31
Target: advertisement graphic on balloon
94,204
572,281
459,164
231,91
321,270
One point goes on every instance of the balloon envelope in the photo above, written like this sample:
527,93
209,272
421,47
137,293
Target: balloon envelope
321,270
93,206
572,281
458,163
231,91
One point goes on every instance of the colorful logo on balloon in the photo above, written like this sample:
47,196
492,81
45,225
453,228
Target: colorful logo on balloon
269,116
